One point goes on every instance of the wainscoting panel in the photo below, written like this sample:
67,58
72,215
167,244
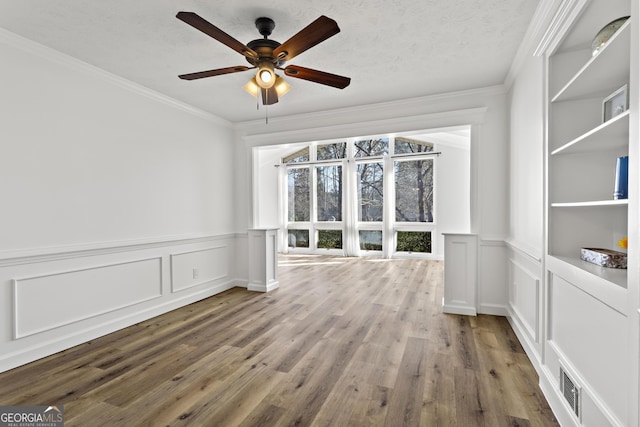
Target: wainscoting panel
194,268
524,298
591,339
492,277
263,260
52,300
460,274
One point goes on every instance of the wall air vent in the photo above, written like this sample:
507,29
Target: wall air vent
571,391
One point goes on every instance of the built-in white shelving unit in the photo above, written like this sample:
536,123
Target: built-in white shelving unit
583,149
591,316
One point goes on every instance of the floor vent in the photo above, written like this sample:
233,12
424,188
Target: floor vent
571,391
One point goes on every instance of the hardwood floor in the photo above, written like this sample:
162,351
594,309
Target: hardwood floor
343,342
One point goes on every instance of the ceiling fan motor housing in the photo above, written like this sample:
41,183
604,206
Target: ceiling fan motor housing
265,26
264,47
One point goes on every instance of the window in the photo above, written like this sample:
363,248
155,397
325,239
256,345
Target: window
330,239
414,190
411,146
336,150
370,191
329,193
297,157
364,195
298,194
414,241
370,240
372,147
298,238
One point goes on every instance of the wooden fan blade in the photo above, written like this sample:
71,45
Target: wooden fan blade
269,96
211,73
317,76
211,30
314,33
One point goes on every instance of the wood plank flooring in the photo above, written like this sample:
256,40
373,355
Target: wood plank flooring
343,342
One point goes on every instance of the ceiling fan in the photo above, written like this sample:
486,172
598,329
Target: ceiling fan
269,55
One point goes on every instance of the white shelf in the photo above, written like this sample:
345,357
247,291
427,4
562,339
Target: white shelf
608,285
604,275
593,203
615,131
608,69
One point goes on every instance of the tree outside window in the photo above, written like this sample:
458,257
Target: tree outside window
370,191
329,193
298,195
414,190
371,147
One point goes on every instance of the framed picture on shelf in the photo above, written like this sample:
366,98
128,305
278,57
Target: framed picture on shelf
614,104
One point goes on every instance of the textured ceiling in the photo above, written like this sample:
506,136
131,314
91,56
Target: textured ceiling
391,49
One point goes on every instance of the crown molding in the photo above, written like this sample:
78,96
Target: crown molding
559,25
537,29
53,55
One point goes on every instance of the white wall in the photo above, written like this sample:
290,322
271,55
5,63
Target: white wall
267,194
112,196
526,187
453,192
526,157
86,160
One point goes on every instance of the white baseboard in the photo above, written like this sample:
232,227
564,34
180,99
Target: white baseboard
459,309
523,337
260,287
493,309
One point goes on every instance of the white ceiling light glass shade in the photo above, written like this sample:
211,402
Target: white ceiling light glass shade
265,77
252,87
280,84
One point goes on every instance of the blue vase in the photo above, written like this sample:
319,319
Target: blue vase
622,178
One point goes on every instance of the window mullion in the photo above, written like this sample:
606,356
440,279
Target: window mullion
350,228
388,217
313,232
283,220
314,208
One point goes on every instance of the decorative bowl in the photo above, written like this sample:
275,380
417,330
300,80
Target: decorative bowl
605,34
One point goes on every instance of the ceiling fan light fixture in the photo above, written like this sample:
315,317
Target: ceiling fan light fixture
281,86
266,77
266,55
